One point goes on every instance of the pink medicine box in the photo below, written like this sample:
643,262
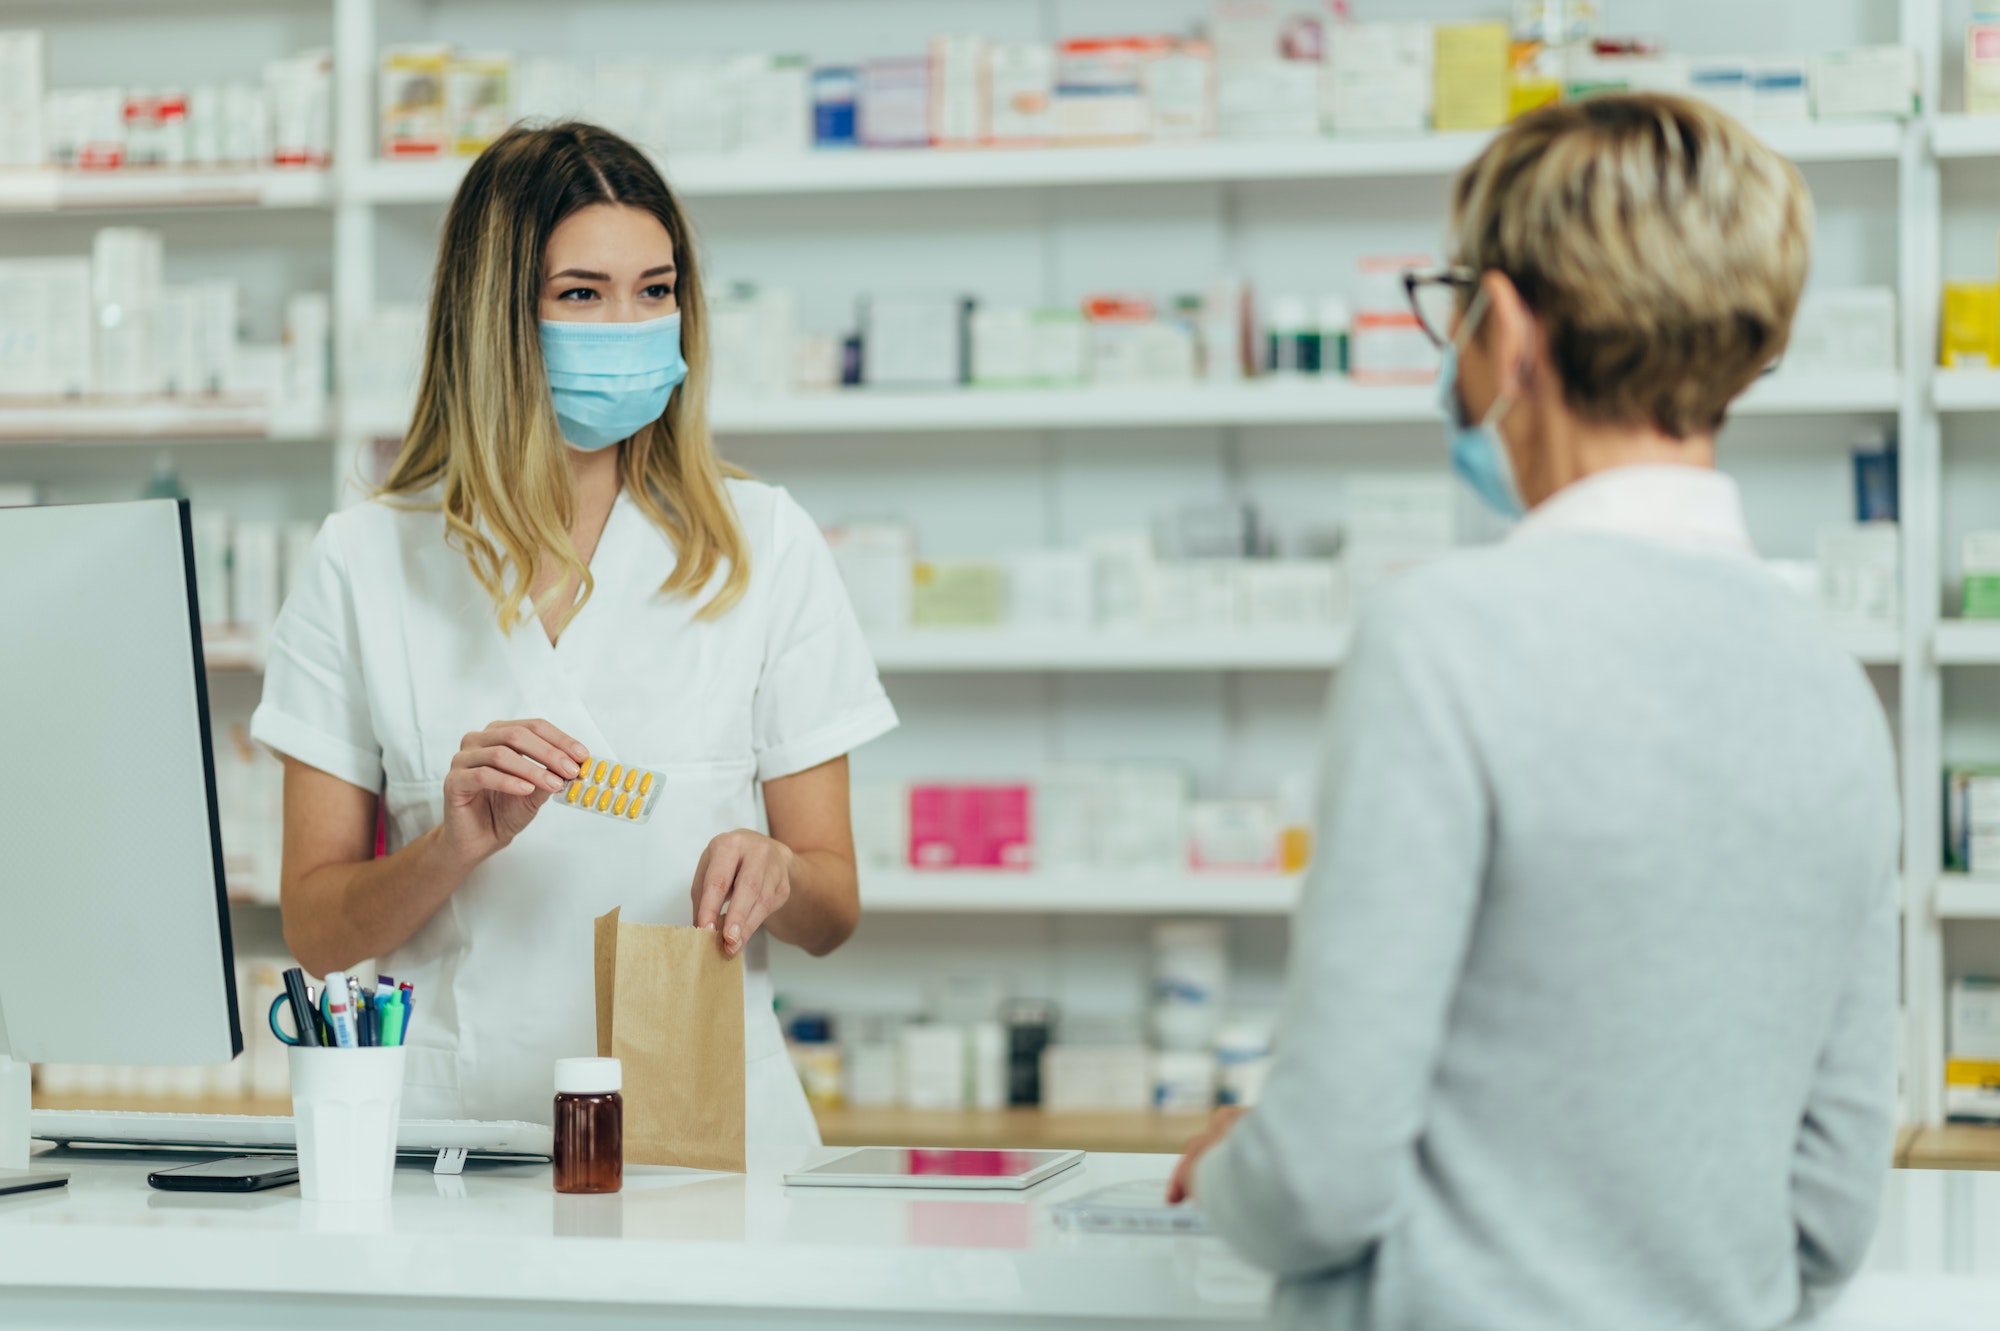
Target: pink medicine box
969,827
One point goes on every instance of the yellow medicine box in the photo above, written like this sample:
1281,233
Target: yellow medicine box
1970,336
1470,76
613,790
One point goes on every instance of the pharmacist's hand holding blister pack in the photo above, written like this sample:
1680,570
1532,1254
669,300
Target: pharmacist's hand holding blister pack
499,779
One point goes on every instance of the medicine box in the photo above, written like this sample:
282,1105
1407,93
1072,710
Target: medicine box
478,102
915,341
881,816
1268,99
1970,336
547,87
836,93
1180,91
958,594
1196,596
1780,91
1049,590
21,100
1867,82
1849,329
1469,78
876,561
932,1066
1975,1018
1376,78
1859,567
1096,1077
1980,562
970,826
1235,834
45,328
1100,88
410,86
1982,66
1184,1081
1020,93
1972,819
958,111
774,110
1972,1090
1725,83
894,105
1003,347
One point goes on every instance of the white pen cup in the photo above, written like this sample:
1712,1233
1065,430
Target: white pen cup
345,1107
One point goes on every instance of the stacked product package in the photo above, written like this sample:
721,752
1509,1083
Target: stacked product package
110,325
1253,70
1192,1049
283,119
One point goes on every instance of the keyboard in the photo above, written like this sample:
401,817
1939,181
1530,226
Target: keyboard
103,1129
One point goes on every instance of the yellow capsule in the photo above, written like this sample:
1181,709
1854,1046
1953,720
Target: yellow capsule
618,807
631,775
604,799
638,805
646,784
616,772
597,773
575,789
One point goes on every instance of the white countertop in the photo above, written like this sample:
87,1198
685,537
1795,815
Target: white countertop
735,1245
672,1238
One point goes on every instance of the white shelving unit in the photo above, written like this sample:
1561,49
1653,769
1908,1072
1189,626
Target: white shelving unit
362,194
162,189
1963,897
119,421
970,891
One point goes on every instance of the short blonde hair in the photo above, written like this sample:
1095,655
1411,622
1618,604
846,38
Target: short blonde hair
1660,243
485,426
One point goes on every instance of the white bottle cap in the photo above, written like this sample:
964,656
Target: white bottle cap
588,1076
1288,314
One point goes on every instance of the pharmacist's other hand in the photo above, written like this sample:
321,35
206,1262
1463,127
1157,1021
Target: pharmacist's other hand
499,779
1181,1187
749,874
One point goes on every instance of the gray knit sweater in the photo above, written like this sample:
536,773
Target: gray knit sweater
1592,1001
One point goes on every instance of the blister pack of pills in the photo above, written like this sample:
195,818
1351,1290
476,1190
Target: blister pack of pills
613,790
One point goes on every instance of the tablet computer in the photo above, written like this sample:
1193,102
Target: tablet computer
910,1167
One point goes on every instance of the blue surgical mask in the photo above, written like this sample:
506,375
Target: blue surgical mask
1477,454
610,381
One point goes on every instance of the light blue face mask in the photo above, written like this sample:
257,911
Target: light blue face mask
1477,454
611,380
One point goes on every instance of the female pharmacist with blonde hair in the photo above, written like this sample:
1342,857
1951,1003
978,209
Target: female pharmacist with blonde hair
559,566
1592,1010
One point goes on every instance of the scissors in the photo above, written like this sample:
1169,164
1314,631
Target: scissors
285,1001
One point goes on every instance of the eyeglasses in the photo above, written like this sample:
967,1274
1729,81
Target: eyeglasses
1437,295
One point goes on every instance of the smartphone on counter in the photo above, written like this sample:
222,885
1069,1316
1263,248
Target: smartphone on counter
238,1173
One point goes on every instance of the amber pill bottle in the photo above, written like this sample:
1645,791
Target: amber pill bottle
589,1125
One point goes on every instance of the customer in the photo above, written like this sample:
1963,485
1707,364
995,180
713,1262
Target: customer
1592,1009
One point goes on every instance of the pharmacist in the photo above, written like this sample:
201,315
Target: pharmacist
1591,1019
559,565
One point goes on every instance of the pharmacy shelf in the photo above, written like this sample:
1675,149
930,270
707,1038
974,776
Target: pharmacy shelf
1142,1131
1967,642
1257,402
1076,892
1966,390
1963,135
1872,644
162,189
1208,162
1953,1146
941,651
108,421
145,1104
1962,896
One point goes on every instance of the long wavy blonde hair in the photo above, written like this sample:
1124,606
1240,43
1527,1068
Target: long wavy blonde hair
485,426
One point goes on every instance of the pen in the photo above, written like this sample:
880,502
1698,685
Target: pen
339,1012
409,992
304,1019
392,1019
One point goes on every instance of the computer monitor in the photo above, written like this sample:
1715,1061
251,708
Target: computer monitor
114,923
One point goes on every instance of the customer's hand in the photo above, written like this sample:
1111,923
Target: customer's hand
750,874
499,779
1181,1188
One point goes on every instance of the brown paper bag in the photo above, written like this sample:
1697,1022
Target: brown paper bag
670,1009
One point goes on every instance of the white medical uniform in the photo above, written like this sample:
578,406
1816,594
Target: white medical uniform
388,652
